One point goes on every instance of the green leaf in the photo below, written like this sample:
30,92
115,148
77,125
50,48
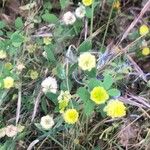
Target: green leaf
114,92
60,71
85,46
100,109
85,97
93,83
38,126
88,107
1,33
108,81
134,35
2,44
44,106
64,3
2,24
17,39
19,23
72,68
50,55
92,73
50,18
64,86
21,136
52,97
88,12
48,5
83,94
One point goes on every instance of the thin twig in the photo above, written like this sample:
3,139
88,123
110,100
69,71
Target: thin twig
18,105
135,21
37,101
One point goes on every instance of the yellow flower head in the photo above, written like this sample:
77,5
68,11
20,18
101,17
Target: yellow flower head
86,61
99,95
62,105
116,4
8,66
115,108
31,48
3,54
63,100
47,40
87,2
33,74
145,51
64,95
8,82
144,29
71,116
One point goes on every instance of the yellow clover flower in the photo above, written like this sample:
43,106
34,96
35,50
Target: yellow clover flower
3,54
99,95
8,65
63,100
116,4
64,95
145,51
87,2
144,29
71,116
8,82
31,48
47,40
33,74
115,108
86,61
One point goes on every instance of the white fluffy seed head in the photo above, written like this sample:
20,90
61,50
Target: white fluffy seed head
69,18
49,85
47,122
11,131
80,12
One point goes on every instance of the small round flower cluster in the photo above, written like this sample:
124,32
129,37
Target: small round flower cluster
144,30
34,74
47,122
99,95
87,61
70,115
114,108
49,85
146,51
3,54
69,18
11,130
116,4
47,40
8,82
63,100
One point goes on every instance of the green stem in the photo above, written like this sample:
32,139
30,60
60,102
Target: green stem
91,26
104,37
